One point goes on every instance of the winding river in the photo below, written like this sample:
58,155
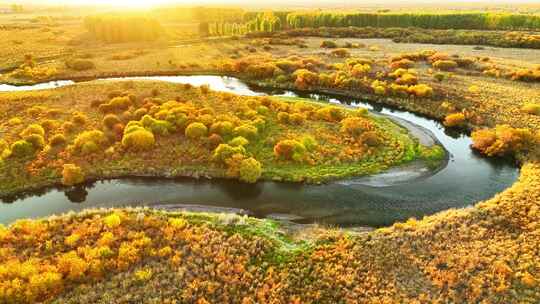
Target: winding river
466,179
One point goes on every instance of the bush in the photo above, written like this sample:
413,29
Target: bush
290,150
421,90
330,113
72,175
283,117
502,140
89,142
439,76
214,140
115,105
159,127
138,139
223,128
407,79
80,64
402,64
110,120
297,118
224,152
22,148
250,170
355,126
79,119
305,79
37,141
196,130
445,65
309,142
371,139
239,142
50,124
340,53
454,120
360,70
57,140
33,129
327,44
68,127
246,131
531,108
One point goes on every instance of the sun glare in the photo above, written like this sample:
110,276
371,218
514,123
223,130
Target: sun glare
127,3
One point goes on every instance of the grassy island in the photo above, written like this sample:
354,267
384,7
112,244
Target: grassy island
113,129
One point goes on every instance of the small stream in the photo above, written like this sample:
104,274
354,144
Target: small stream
466,179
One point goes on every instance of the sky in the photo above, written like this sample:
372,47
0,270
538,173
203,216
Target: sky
270,3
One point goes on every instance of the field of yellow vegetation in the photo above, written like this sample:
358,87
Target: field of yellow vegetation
487,253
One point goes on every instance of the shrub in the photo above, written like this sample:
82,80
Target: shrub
72,175
117,104
214,140
421,90
407,79
327,44
79,119
80,64
159,127
502,140
138,139
290,150
89,142
283,117
439,76
454,120
33,129
360,70
223,128
22,148
531,108
37,141
250,170
371,139
246,131
402,64
355,126
139,113
50,124
112,221
445,65
340,53
15,121
224,152
3,145
305,79
68,127
309,142
330,113
57,140
297,118
110,120
196,130
239,142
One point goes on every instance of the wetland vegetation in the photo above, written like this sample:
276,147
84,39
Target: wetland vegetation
475,71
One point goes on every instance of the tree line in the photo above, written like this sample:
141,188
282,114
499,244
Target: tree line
276,21
116,29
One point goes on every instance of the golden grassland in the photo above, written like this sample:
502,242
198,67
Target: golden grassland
483,254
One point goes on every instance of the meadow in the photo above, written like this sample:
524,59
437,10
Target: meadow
487,87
